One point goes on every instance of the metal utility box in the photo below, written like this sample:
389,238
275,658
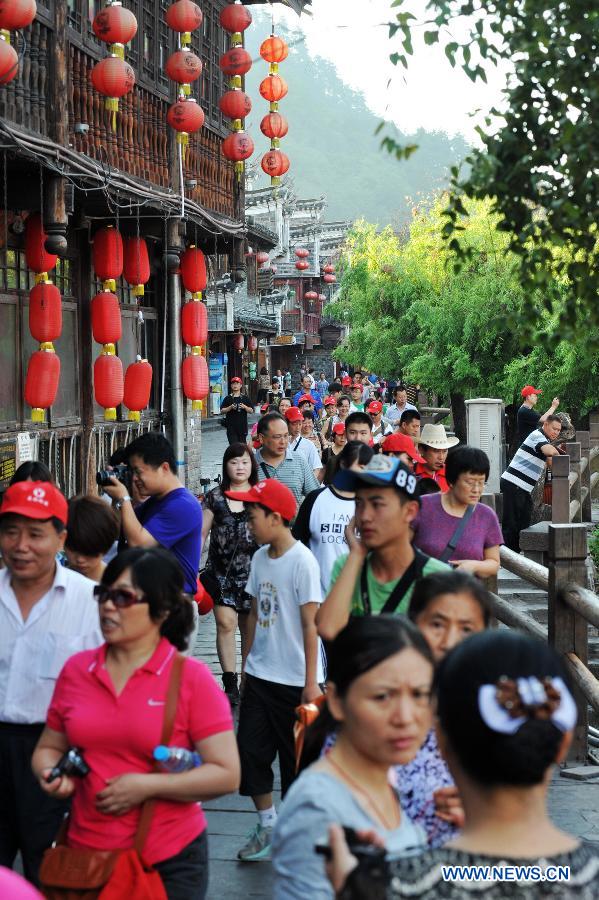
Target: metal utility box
485,427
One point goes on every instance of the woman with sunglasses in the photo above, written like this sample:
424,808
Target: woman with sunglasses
110,703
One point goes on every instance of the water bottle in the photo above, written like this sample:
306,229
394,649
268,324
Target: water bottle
176,759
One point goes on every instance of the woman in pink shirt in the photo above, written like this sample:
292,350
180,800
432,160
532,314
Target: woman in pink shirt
109,703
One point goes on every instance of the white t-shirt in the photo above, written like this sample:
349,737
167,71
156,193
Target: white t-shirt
320,525
280,586
307,450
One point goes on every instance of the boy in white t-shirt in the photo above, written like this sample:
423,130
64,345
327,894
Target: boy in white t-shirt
284,663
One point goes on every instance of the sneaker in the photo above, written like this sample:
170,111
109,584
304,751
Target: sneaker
231,687
257,846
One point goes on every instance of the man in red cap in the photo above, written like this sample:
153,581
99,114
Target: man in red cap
47,613
306,390
380,426
298,444
402,447
284,662
528,418
236,407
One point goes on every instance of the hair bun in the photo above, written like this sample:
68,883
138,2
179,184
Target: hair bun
529,697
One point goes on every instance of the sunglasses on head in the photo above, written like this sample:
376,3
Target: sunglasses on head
119,597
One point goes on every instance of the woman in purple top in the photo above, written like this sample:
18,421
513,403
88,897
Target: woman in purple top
477,549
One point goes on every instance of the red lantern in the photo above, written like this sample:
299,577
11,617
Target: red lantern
262,258
45,312
16,14
252,343
235,18
108,256
136,264
138,387
301,264
183,66
238,146
108,383
185,116
113,78
328,269
9,61
35,254
235,105
194,323
311,295
273,88
193,271
184,17
274,126
41,382
302,253
115,24
235,61
329,279
274,49
195,380
275,163
107,327
238,342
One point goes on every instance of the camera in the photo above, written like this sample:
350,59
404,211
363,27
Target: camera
121,472
72,763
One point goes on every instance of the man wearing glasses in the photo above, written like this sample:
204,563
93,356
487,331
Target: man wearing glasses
47,613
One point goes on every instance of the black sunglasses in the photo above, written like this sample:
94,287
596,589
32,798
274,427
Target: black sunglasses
119,597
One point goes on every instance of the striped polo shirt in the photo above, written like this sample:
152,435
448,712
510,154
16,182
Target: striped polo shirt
528,464
293,471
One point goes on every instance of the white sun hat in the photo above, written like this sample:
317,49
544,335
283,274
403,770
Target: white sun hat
434,436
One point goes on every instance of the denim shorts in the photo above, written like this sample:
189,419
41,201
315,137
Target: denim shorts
185,876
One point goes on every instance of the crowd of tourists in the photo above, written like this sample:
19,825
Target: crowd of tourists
349,544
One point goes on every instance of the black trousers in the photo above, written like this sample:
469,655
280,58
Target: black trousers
236,436
185,876
29,819
266,720
517,513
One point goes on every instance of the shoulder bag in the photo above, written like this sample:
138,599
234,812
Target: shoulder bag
72,873
412,573
454,540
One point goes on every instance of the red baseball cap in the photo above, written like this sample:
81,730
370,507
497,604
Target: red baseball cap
35,500
528,389
235,378
293,414
346,380
306,398
400,443
338,428
375,406
329,401
269,493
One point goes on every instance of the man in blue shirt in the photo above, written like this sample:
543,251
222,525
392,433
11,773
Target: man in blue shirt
306,388
171,517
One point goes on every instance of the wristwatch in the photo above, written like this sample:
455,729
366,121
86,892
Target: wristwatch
119,503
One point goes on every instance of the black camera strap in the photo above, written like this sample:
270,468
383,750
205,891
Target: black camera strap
412,573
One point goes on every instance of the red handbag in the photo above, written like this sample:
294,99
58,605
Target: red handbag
72,873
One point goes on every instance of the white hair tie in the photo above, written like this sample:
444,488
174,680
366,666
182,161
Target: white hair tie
506,705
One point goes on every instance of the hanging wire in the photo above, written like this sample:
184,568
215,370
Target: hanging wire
165,317
5,209
42,196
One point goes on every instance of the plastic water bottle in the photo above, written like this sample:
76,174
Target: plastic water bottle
176,759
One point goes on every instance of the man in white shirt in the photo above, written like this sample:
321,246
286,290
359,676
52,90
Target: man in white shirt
298,444
395,411
47,613
380,426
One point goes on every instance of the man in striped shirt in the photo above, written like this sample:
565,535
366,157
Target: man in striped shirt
521,476
276,460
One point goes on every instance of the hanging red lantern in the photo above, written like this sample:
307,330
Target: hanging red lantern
45,312
311,295
108,256
262,257
195,379
274,49
108,382
301,264
115,25
238,146
274,126
183,66
235,104
184,17
193,271
302,253
186,116
107,327
194,323
235,18
137,388
136,264
273,88
15,14
9,61
275,163
238,342
252,343
113,78
41,382
235,61
328,269
329,279
36,256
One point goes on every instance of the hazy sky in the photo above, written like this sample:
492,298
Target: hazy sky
430,95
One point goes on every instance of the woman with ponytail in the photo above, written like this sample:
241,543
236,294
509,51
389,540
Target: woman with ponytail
110,702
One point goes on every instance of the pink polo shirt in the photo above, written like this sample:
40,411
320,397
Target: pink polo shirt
118,734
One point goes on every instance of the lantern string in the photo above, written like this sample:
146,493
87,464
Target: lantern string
6,208
181,183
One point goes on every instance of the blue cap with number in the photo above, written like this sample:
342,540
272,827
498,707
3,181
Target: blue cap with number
384,471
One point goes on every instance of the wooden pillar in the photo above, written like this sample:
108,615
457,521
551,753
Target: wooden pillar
560,503
573,449
88,462
584,439
566,631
